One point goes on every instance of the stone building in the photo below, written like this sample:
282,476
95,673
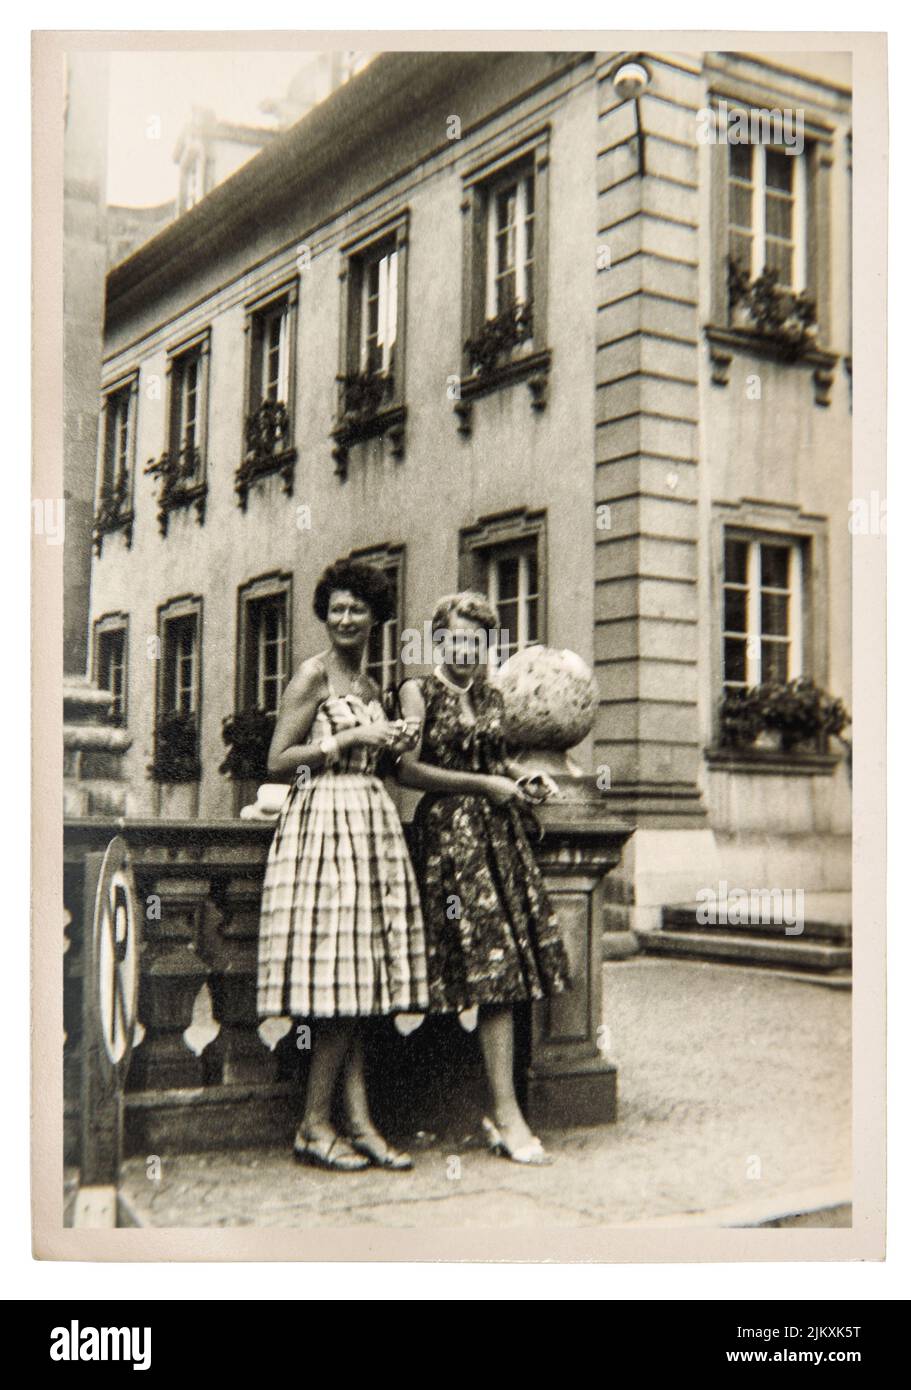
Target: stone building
500,320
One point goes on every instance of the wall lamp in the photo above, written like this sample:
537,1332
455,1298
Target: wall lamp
630,81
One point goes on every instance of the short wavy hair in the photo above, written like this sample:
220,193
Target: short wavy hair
469,604
364,581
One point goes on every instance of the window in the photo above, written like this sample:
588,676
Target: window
118,421
271,331
383,647
371,370
384,662
504,276
510,243
180,682
188,382
767,212
271,359
504,556
763,603
379,309
111,662
179,702
265,646
117,447
512,586
770,207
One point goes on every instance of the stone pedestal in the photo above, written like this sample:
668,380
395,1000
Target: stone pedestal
568,1076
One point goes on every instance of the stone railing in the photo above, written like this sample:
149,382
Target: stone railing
205,1072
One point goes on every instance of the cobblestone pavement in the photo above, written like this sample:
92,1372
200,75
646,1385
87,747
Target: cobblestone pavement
734,1096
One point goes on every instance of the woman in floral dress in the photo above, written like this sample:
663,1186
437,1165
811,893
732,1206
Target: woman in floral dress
340,939
492,936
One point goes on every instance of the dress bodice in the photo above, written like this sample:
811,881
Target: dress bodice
452,740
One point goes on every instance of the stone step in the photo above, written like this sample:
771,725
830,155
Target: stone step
791,952
685,919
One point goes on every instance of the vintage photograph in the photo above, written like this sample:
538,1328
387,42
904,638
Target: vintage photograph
457,703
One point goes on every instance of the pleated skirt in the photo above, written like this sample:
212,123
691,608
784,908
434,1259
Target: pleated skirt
340,933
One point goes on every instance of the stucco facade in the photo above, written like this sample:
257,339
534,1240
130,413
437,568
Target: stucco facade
621,443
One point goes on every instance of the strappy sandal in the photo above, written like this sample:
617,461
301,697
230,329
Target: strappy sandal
533,1153
335,1154
385,1157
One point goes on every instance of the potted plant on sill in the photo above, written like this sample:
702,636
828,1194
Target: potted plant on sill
498,338
175,765
363,395
787,716
786,318
247,735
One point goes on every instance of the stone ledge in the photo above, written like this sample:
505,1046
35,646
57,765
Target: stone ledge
770,761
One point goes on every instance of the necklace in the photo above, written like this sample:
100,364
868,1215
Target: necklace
452,685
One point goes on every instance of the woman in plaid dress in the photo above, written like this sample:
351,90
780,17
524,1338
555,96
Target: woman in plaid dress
341,936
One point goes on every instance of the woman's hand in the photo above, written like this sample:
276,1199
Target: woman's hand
502,790
378,733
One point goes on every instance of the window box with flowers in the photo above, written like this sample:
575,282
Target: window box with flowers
176,757
780,726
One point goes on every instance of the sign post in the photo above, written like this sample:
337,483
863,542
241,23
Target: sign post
110,996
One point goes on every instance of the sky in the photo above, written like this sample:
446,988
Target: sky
151,99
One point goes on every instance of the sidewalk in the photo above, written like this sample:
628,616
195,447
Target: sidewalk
734,1100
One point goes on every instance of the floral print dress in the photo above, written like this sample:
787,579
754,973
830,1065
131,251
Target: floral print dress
491,934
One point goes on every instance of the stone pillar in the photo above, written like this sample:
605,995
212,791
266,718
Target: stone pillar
647,739
569,1076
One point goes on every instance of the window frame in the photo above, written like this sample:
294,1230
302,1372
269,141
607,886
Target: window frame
817,156
385,417
753,519
754,589
758,229
102,628
529,360
276,584
187,605
261,462
494,537
108,516
198,348
385,557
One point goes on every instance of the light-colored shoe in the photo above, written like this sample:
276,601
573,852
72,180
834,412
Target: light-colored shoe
532,1153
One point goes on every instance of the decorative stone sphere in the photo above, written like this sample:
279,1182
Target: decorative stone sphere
550,696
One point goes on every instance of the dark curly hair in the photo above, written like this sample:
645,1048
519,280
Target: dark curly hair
365,582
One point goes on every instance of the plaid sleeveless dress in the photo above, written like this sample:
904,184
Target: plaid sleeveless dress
340,930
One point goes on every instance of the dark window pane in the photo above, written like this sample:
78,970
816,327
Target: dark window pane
735,610
735,562
778,213
741,161
775,661
508,578
735,659
774,566
779,170
740,206
775,615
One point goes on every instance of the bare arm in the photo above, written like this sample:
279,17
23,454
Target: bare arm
424,777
